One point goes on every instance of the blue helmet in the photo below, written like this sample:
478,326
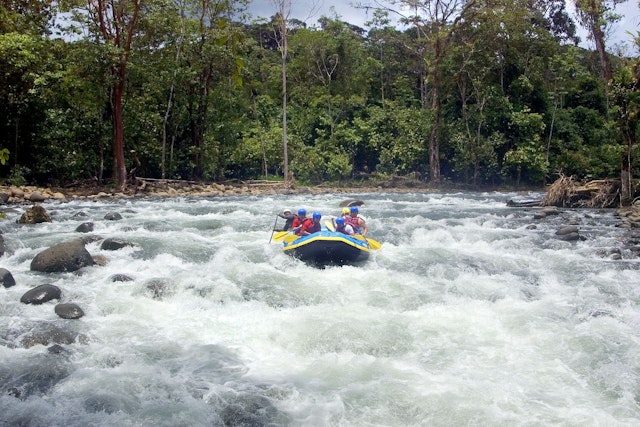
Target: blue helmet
339,221
354,209
302,212
317,215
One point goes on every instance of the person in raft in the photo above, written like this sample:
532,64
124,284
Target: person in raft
342,227
286,214
314,227
300,221
356,221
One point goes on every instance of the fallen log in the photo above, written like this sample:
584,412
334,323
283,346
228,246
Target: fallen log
524,204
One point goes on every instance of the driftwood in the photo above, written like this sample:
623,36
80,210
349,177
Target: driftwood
524,204
565,192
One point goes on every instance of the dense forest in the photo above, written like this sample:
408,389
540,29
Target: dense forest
493,92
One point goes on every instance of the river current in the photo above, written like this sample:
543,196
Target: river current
471,313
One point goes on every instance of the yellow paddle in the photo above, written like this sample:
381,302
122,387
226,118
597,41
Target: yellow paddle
329,225
373,244
280,235
291,237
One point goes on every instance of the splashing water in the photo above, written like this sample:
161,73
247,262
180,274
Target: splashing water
472,313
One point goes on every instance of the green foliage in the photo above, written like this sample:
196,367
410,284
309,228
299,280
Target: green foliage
510,102
4,156
528,154
18,175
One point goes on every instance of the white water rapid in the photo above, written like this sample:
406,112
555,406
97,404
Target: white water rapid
472,313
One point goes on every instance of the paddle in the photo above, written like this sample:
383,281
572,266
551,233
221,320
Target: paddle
373,244
329,225
279,235
291,237
282,234
274,228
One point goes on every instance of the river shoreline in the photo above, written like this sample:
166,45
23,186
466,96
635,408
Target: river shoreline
166,189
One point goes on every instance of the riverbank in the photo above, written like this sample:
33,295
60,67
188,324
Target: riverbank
152,188
174,188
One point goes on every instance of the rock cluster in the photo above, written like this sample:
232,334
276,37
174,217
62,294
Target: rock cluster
67,256
144,187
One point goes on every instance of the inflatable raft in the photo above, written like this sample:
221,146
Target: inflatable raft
328,248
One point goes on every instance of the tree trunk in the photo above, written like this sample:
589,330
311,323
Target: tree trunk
119,168
434,137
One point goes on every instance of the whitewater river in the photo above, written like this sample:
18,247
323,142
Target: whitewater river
472,313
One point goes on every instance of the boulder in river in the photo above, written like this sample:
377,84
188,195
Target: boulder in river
65,256
6,278
85,227
113,216
69,311
34,215
41,294
111,244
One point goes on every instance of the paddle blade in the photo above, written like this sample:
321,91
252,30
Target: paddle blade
329,225
374,244
291,237
280,235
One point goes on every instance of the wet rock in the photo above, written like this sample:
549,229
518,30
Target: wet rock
113,216
47,334
251,410
80,214
158,288
569,229
612,253
41,294
37,377
100,260
69,311
546,212
56,349
85,227
17,193
66,256
351,202
4,198
569,237
90,238
6,278
3,246
36,197
114,244
34,215
121,278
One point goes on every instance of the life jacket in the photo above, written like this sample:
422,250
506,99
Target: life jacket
307,223
297,222
314,227
353,222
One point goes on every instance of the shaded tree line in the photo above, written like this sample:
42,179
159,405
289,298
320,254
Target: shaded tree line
492,92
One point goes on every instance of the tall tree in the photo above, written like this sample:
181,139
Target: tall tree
597,17
279,21
113,23
436,21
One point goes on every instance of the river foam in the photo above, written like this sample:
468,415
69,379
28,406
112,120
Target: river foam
472,313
